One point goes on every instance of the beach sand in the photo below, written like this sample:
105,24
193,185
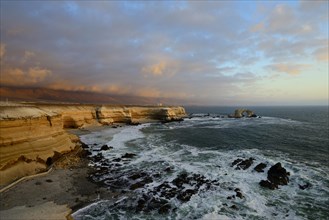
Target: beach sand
52,196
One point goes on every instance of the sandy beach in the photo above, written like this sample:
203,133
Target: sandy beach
53,196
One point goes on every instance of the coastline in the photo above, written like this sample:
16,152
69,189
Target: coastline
56,191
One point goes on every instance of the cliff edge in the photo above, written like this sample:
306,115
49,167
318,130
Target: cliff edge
33,136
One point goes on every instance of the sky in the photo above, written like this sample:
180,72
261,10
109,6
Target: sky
199,52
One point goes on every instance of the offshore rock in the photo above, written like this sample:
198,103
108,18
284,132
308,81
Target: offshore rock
260,167
239,113
243,164
277,175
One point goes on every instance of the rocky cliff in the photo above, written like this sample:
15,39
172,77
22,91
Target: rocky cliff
32,136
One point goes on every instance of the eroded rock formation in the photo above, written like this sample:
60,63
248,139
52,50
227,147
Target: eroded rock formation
30,136
239,113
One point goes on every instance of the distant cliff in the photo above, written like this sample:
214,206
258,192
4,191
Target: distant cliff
32,135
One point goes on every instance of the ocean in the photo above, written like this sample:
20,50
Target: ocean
184,170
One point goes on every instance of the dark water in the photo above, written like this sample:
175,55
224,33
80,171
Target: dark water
207,145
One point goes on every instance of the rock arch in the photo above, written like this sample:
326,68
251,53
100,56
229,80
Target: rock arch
239,113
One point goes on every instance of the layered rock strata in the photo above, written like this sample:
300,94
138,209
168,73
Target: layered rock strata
31,137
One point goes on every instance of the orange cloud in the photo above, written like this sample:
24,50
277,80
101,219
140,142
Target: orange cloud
322,54
291,69
2,50
17,76
163,68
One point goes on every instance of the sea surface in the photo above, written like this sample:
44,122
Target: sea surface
202,149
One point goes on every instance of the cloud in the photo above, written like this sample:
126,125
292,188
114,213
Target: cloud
20,77
27,56
2,50
162,68
290,69
322,54
159,49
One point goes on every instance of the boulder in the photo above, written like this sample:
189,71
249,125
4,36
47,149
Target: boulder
260,167
243,164
277,175
105,147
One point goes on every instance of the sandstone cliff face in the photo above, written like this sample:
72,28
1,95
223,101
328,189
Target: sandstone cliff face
30,136
27,143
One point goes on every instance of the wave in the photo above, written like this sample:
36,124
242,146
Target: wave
154,154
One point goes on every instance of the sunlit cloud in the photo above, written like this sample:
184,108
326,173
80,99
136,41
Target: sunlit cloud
17,76
2,50
291,69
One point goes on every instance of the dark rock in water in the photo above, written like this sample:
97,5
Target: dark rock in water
116,160
128,155
157,203
140,205
134,123
278,175
230,197
141,183
186,195
253,116
302,187
234,207
168,169
267,184
84,146
236,161
239,194
105,147
137,175
243,164
260,167
180,180
164,209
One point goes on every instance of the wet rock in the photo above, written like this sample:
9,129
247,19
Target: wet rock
83,145
267,184
137,175
236,162
165,208
234,207
243,164
134,123
116,160
180,180
156,204
305,186
278,175
157,175
168,169
105,147
230,197
128,155
141,183
260,167
140,205
239,194
186,195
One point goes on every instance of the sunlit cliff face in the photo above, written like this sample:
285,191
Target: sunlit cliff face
216,52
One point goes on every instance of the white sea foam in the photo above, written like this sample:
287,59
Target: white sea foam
154,154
